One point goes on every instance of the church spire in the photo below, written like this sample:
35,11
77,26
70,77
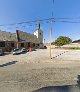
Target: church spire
38,24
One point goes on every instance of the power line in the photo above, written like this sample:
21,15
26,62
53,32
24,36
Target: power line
68,21
55,19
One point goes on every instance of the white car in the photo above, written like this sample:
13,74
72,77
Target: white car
23,50
16,51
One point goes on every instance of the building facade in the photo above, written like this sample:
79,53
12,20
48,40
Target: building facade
20,39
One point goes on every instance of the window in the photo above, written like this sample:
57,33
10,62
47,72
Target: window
2,44
22,44
12,44
33,44
37,44
28,44
40,33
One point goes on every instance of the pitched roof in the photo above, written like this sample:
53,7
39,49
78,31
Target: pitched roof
7,36
24,36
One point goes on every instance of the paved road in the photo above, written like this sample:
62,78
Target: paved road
26,76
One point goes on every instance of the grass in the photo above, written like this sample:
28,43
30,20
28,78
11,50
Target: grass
72,48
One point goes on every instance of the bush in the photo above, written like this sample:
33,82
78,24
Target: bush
62,40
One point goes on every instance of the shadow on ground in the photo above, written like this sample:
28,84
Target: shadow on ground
69,88
64,88
9,63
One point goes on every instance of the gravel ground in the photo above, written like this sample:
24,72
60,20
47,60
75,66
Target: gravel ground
35,70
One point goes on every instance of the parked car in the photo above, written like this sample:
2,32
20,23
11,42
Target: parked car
1,52
23,50
16,51
45,47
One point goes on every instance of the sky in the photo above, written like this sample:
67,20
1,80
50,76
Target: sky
15,11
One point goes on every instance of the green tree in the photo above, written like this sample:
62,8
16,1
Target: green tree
62,40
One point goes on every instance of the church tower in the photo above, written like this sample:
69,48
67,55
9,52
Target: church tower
39,33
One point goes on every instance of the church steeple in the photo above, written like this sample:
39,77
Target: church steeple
38,24
39,33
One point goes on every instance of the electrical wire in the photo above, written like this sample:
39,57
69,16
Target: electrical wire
65,20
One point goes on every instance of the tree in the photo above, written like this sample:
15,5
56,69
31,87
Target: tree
62,40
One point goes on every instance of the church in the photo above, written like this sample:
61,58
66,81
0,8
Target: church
20,39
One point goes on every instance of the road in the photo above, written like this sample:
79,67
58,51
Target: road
35,70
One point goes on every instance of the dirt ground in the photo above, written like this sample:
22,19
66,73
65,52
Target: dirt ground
35,70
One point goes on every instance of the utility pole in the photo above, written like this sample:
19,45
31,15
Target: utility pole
50,36
51,31
18,39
